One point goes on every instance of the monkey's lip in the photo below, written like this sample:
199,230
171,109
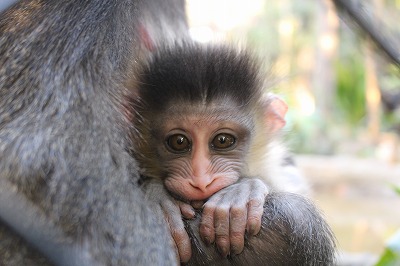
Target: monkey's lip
198,194
195,194
187,191
201,195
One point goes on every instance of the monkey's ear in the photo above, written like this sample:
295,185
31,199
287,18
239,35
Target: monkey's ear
274,113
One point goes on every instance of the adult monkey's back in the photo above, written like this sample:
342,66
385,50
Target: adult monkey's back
62,127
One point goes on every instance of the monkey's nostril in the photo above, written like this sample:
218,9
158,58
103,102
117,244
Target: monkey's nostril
202,184
210,184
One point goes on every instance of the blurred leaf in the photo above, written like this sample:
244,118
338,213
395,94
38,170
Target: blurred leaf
351,87
391,255
389,258
396,189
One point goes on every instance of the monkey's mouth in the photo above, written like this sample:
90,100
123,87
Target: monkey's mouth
200,196
187,192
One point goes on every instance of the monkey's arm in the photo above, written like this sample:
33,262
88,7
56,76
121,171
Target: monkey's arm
292,233
29,222
237,209
6,4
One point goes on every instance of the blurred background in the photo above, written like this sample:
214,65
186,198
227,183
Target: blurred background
344,101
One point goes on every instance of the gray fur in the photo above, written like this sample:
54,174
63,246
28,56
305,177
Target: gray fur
62,132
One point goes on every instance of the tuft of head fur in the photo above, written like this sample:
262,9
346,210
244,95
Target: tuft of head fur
198,73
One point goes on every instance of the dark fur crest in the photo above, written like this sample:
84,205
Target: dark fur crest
197,73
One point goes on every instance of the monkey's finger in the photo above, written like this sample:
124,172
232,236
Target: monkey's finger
197,204
206,230
238,220
254,215
255,208
177,229
186,210
222,229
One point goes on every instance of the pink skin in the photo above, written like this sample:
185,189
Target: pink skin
201,177
232,205
202,172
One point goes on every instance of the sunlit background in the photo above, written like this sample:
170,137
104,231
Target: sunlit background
344,120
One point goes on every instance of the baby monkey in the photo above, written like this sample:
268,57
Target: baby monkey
209,134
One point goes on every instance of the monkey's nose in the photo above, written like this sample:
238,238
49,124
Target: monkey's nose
202,183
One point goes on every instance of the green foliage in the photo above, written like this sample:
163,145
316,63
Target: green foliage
396,189
391,255
390,78
308,134
350,74
264,34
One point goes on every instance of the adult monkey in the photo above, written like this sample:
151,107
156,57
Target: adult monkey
62,145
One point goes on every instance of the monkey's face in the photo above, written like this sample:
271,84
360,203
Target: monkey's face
202,151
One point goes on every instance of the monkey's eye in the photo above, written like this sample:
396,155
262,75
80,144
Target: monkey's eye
178,143
223,141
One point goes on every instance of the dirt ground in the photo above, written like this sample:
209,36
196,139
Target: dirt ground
357,200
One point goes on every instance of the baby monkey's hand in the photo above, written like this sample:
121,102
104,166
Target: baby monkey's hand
173,211
232,211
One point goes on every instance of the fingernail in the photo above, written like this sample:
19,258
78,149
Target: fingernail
251,230
223,251
207,241
197,204
235,250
